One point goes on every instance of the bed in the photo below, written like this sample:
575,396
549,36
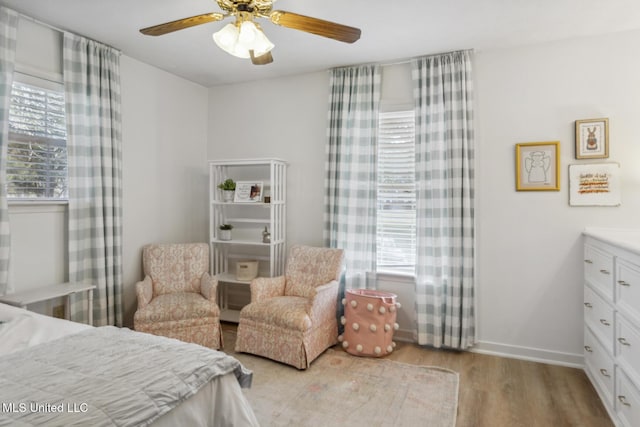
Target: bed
56,372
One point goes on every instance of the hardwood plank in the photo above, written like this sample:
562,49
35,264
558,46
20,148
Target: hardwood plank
497,391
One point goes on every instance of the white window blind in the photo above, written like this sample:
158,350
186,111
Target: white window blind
396,207
37,149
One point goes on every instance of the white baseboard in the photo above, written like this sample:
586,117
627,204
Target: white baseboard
530,354
511,351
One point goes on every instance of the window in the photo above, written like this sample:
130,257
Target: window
37,149
396,195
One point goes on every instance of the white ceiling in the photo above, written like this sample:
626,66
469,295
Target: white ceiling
391,30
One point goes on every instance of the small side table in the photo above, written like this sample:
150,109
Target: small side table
24,298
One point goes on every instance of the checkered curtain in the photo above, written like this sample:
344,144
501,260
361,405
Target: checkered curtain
350,185
8,31
94,146
443,94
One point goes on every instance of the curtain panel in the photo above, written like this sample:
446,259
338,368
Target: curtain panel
94,146
8,34
350,184
443,95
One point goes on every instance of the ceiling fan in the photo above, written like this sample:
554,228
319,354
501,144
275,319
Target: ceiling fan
244,38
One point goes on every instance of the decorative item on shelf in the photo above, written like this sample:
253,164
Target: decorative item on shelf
266,236
248,192
267,199
246,270
228,188
225,231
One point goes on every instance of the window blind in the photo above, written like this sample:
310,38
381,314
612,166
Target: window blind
37,149
396,195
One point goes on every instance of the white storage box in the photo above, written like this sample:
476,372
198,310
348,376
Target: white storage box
246,270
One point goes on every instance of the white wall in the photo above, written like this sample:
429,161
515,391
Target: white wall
529,262
529,243
164,131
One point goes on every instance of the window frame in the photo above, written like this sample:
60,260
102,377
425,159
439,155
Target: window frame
48,85
401,116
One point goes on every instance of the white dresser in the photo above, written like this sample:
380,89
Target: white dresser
612,320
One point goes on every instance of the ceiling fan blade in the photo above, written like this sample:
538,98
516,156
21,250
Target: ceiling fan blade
181,24
315,26
263,59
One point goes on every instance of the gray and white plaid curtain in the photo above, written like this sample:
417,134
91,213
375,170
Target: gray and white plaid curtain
94,146
350,185
443,94
8,32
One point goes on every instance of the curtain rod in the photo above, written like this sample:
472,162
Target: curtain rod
401,60
60,30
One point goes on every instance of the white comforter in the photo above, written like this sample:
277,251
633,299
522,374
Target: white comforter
46,365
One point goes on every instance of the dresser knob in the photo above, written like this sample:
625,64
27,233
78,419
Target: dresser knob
623,283
588,305
604,271
623,400
623,341
588,261
605,322
604,373
587,348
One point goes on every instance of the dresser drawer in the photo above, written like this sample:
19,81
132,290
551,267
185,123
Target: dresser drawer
627,400
599,364
598,270
598,315
628,346
628,288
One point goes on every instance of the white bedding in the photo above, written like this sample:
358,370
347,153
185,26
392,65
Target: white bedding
219,403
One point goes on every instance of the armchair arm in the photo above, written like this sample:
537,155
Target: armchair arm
209,287
263,288
324,302
144,292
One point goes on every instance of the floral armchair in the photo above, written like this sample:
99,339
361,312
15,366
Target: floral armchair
177,298
292,318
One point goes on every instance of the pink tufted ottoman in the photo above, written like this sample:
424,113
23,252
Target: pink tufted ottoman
369,321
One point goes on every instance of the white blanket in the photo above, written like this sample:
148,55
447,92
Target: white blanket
106,376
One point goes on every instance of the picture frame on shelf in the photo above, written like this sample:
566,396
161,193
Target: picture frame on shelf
592,139
248,192
594,184
538,166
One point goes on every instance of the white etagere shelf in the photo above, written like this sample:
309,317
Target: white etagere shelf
249,220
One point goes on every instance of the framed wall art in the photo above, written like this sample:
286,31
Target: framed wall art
538,166
594,185
592,139
248,192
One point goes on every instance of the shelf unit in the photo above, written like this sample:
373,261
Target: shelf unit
249,220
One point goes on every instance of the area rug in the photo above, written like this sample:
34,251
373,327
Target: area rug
343,390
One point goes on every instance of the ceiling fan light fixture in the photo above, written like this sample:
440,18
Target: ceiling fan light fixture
227,38
239,40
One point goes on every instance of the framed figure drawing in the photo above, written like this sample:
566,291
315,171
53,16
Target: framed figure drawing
538,166
592,139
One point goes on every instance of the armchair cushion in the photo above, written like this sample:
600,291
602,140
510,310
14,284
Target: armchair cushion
263,288
176,267
310,267
177,306
287,312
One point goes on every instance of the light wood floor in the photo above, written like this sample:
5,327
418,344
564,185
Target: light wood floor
500,392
